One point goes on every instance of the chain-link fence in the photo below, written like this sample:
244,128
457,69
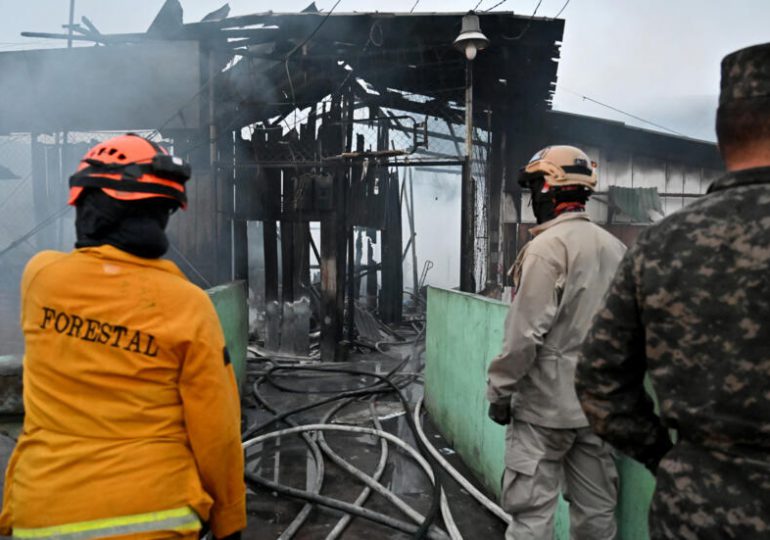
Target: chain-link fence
34,215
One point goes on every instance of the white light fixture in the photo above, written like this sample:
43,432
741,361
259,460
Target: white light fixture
471,39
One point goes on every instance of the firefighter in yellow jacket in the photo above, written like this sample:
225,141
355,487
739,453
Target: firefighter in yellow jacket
132,425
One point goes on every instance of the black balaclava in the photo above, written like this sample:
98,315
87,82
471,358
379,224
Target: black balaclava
137,227
542,203
556,201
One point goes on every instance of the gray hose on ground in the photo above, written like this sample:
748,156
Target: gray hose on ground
454,533
370,481
303,514
459,478
361,499
337,505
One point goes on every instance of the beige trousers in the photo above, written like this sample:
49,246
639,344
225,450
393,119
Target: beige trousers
542,462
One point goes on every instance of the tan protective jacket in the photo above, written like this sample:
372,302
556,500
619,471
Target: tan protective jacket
132,415
560,278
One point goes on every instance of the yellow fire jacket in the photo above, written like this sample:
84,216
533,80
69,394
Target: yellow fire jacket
132,415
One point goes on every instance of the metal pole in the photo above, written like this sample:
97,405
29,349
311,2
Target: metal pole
414,234
468,204
63,161
72,22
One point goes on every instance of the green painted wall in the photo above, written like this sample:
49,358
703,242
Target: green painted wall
464,333
230,302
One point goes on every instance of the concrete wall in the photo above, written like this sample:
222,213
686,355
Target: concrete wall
464,333
230,302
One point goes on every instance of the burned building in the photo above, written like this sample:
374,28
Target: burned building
306,133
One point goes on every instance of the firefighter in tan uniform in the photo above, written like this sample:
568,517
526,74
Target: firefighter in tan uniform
132,415
560,278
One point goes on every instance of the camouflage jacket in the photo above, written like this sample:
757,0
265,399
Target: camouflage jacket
690,307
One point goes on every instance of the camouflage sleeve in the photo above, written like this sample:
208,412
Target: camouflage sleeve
610,373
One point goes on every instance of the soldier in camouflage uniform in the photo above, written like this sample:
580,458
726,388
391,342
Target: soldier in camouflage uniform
690,307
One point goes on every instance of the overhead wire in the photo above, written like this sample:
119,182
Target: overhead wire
35,229
621,111
299,46
529,21
500,3
562,9
191,265
15,189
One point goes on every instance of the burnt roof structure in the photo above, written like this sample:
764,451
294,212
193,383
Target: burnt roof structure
268,64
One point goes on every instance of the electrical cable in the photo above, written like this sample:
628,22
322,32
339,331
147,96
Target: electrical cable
562,9
639,118
15,189
191,265
427,467
36,229
500,3
454,473
529,22
299,46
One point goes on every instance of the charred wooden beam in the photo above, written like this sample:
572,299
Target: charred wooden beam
391,300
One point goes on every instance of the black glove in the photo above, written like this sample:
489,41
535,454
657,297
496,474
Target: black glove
500,412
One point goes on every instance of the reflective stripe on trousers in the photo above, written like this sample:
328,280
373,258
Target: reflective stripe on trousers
178,519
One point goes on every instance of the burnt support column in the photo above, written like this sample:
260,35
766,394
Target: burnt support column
391,301
333,247
333,240
495,183
270,235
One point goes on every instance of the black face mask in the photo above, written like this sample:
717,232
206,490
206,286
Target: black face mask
137,227
542,203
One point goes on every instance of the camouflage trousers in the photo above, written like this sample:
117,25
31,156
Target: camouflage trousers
711,495
540,463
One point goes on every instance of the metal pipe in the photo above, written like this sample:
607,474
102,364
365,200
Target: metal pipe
71,24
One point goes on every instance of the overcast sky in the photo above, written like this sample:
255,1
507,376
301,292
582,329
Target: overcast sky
656,59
